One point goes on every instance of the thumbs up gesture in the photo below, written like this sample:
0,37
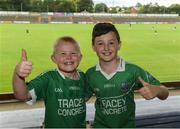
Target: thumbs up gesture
148,91
24,67
23,55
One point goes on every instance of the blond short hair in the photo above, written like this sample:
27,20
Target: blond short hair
66,39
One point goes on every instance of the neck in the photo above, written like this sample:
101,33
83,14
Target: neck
109,67
72,75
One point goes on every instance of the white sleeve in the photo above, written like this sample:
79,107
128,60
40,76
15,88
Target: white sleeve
33,97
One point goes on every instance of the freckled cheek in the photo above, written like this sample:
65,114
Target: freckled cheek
77,60
59,57
60,60
98,50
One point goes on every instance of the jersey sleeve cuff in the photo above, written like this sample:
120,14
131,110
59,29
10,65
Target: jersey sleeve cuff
33,97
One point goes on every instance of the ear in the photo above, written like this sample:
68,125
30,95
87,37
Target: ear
93,48
80,57
119,45
53,59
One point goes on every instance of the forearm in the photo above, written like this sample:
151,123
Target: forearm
163,92
19,87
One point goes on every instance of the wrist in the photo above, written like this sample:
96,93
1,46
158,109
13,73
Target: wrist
19,76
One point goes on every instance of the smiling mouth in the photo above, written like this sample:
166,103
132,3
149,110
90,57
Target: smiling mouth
106,53
69,63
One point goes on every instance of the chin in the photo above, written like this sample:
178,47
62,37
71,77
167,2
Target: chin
107,59
70,71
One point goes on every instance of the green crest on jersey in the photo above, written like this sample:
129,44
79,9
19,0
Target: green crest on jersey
125,87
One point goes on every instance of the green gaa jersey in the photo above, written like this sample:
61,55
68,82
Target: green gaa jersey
64,99
115,106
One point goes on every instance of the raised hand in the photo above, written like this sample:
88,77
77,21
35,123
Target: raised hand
24,67
148,91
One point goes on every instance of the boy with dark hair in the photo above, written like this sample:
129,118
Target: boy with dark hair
113,81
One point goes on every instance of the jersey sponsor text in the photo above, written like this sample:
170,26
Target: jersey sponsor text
70,107
114,106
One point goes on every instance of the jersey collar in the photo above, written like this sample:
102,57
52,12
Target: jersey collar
62,75
120,68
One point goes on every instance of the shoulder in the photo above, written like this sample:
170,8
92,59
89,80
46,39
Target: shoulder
48,73
81,73
131,66
42,78
134,69
91,70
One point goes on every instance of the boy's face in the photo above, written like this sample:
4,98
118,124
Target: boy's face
67,56
106,47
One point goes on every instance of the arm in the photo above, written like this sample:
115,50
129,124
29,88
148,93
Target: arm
22,70
149,91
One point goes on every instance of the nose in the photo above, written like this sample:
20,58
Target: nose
106,46
68,56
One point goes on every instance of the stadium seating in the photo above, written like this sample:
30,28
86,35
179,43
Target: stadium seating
89,18
61,19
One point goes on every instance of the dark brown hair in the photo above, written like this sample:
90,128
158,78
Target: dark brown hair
104,28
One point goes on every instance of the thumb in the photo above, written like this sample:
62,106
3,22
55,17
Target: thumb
23,55
142,81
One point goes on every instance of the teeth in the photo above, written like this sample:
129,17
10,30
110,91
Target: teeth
107,53
68,63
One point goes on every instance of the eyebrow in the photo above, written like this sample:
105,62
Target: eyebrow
100,40
112,40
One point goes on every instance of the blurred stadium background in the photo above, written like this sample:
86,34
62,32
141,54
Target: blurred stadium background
150,36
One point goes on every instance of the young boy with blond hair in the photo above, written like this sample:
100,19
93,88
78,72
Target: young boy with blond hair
62,89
